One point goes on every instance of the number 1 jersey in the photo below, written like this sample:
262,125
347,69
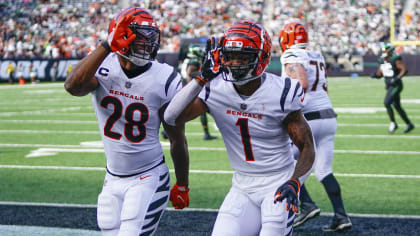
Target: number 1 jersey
256,141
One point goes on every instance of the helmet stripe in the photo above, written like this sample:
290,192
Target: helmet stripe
142,12
130,10
242,36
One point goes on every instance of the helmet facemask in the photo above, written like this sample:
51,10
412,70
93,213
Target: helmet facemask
242,73
387,50
144,47
248,45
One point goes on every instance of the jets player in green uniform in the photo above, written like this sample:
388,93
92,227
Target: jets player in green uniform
392,68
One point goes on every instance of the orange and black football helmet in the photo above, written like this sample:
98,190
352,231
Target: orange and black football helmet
293,34
249,40
145,46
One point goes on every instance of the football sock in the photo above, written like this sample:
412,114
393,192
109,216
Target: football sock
402,113
390,113
203,119
334,193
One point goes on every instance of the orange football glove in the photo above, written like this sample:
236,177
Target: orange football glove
290,192
179,196
121,36
214,61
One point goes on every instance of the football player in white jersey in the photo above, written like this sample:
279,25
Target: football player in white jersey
257,114
130,92
309,68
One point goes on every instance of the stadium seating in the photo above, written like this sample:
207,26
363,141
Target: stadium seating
342,30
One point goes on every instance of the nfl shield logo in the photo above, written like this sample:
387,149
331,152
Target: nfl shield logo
128,84
243,106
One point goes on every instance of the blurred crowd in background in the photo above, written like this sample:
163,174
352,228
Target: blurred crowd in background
71,29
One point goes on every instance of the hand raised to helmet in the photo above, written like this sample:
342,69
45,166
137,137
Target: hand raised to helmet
121,36
214,61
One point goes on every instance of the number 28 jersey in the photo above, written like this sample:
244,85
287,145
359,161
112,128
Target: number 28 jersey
256,141
314,64
127,110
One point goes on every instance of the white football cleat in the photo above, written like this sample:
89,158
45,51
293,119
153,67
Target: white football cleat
392,127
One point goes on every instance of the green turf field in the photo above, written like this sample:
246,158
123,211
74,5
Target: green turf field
49,150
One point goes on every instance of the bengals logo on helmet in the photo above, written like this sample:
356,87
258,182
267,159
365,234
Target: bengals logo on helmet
293,34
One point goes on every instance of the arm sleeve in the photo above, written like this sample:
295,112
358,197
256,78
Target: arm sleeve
181,100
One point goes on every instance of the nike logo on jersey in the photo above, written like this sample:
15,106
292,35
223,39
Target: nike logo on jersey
144,177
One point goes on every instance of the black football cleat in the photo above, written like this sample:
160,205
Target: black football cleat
339,223
164,135
209,137
409,128
307,211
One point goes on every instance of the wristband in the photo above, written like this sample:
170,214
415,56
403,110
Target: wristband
106,46
200,78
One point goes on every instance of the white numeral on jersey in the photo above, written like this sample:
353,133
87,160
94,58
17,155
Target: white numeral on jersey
319,67
130,124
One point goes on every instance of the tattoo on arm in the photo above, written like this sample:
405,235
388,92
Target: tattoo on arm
301,135
291,70
297,71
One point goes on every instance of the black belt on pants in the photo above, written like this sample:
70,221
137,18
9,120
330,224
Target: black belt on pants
322,114
125,176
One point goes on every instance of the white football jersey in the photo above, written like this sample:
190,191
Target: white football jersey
128,113
253,133
314,63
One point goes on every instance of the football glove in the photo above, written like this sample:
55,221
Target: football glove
288,191
179,196
121,37
214,61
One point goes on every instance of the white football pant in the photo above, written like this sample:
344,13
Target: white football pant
131,206
323,131
248,209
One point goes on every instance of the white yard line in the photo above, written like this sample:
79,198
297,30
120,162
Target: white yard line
386,124
374,136
47,148
196,171
368,116
30,113
23,131
43,204
55,111
31,86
